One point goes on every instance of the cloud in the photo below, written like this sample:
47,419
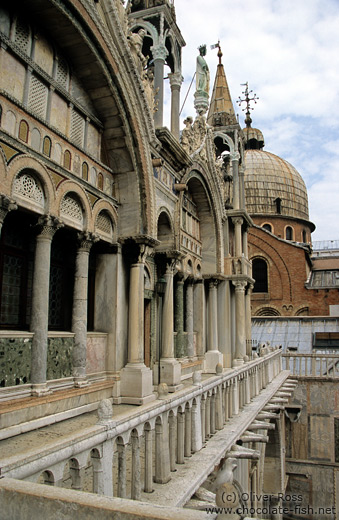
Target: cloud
289,53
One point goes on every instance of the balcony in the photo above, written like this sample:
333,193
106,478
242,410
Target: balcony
159,453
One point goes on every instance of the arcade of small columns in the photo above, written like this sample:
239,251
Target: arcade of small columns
177,313
47,226
142,389
128,456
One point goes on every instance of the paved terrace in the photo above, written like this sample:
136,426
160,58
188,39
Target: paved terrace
156,462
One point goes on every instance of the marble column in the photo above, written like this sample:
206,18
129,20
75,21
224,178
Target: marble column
248,320
235,171
196,425
170,368
180,436
189,318
136,378
188,432
176,80
79,313
219,418
121,469
212,357
237,221
199,317
136,469
172,446
160,54
241,187
102,470
203,418
47,226
148,470
240,332
162,456
179,317
6,205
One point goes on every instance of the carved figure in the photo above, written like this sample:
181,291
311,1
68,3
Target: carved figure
148,81
135,41
202,71
122,15
187,135
105,410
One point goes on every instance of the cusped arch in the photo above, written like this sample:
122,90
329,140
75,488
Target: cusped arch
165,231
19,164
210,223
71,188
105,221
226,139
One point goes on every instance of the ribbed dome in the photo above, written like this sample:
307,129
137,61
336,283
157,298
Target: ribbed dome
273,186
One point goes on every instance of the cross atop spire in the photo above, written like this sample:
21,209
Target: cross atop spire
247,93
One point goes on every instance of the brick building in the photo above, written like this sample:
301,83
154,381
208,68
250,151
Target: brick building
291,279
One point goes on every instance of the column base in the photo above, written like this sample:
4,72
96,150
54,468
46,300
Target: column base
136,384
237,362
170,373
212,359
40,390
80,382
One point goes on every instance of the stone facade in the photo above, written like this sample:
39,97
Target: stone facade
124,268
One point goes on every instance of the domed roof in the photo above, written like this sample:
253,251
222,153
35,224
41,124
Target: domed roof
273,186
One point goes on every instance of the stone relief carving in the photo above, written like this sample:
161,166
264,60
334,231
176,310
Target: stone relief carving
148,82
135,42
122,15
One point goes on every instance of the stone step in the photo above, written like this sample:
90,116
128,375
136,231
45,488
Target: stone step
22,415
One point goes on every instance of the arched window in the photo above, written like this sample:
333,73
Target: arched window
289,233
47,146
100,181
268,227
304,235
277,202
259,273
23,131
16,270
85,171
67,159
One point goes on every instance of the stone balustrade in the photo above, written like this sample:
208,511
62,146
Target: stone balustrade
312,365
128,454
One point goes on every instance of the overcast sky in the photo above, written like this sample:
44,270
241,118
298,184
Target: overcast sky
288,51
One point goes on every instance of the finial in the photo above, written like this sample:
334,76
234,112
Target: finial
219,50
247,99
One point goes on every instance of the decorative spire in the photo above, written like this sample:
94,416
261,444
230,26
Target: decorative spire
221,111
247,100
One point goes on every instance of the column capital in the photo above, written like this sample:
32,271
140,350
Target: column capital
6,205
175,79
250,288
239,285
170,267
213,283
86,240
47,226
237,220
235,156
159,52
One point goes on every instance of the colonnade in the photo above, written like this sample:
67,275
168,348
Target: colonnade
46,227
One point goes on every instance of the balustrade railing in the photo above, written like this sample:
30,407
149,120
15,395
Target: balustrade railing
314,364
128,455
